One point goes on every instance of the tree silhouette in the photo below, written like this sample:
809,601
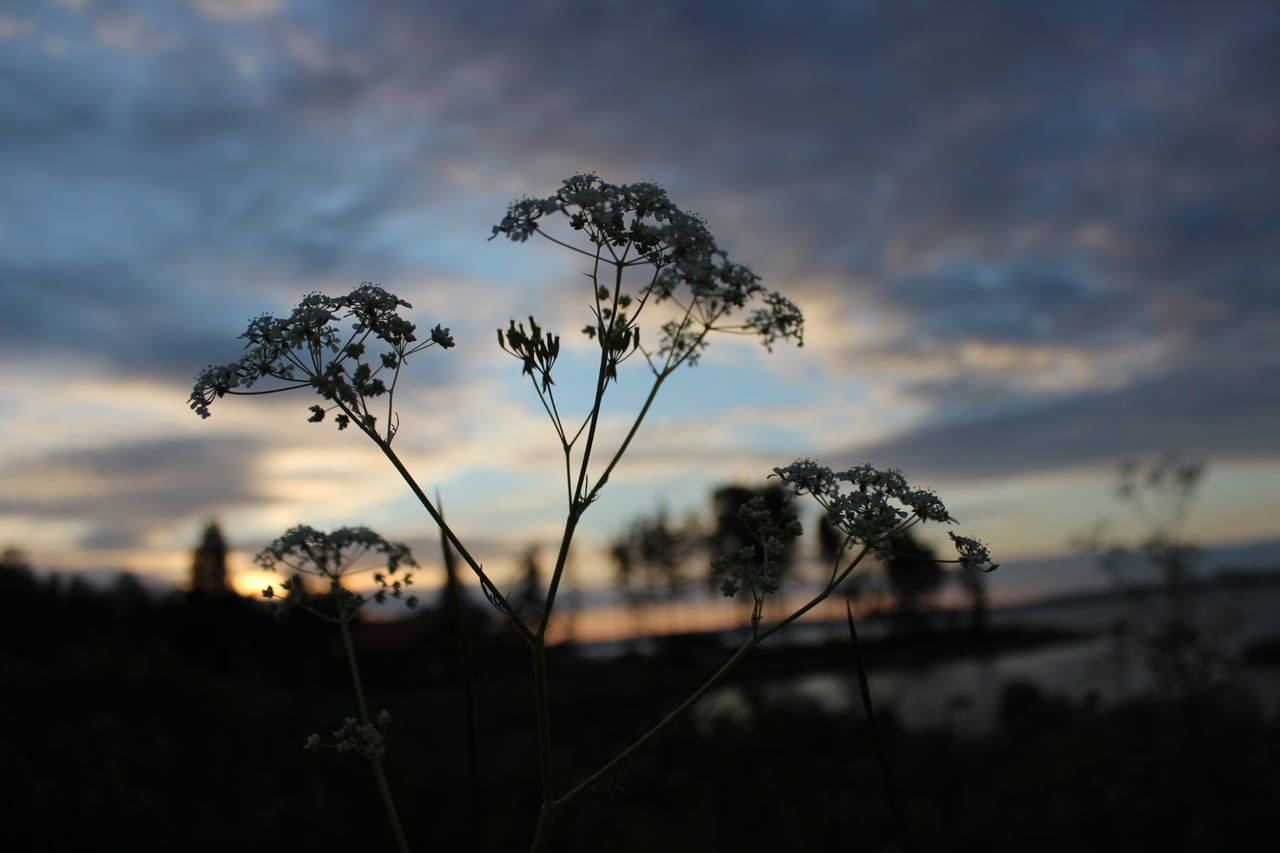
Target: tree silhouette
209,564
649,558
914,575
530,593
652,554
17,579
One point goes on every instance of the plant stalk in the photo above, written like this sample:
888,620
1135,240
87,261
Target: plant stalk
362,707
877,737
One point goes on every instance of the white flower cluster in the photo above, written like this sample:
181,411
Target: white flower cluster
876,506
632,224
369,739
973,554
303,550
758,567
322,344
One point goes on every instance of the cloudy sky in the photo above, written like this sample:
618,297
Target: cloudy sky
1032,241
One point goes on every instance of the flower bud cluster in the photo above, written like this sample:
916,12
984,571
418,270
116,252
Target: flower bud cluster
876,506
536,351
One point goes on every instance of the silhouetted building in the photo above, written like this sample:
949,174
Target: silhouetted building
209,564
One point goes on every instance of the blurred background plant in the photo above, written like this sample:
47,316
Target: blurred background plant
1163,626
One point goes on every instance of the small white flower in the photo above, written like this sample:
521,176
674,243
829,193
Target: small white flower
973,554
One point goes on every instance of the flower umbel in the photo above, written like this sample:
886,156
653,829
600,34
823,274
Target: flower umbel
877,506
758,567
332,557
973,553
323,344
629,225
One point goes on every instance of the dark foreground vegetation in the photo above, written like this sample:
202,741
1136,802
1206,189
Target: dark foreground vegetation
178,726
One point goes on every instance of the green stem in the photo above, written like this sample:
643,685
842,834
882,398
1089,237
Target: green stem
385,790
631,434
348,646
552,805
542,835
462,630
820,597
662,726
578,503
542,711
562,558
362,707
877,738
447,532
578,507
541,684
593,421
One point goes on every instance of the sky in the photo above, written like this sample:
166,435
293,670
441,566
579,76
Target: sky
1032,241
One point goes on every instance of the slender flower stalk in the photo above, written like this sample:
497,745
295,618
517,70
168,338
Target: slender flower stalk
877,738
333,557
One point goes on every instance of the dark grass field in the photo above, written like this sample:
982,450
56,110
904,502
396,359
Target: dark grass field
133,725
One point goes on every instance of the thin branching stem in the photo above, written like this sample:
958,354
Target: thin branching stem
344,623
538,652
542,715
877,738
631,434
466,660
820,597
269,391
666,722
345,615
559,242
491,590
384,789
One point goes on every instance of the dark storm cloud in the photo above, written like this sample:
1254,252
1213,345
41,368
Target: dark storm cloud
152,197
133,488
1218,412
1046,175
1129,147
107,314
1020,300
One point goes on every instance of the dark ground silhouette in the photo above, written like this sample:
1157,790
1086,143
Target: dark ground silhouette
178,724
